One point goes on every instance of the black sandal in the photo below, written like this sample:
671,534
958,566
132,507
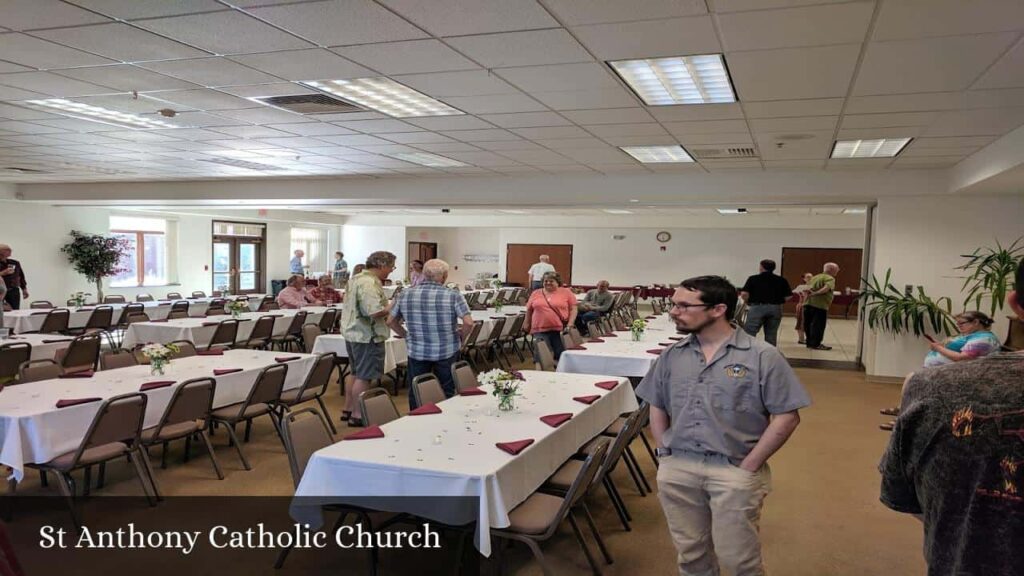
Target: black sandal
356,423
345,415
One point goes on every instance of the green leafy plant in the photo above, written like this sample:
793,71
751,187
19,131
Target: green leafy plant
96,257
890,310
990,274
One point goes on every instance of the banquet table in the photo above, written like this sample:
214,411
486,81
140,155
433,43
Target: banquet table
200,330
453,454
44,346
395,351
488,316
620,355
34,430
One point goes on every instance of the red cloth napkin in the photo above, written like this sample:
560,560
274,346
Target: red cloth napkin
516,447
283,359
607,384
471,392
497,317
665,343
595,340
57,340
556,420
155,385
370,432
223,371
82,374
75,401
609,335
676,338
425,409
587,399
577,348
655,350
649,317
214,352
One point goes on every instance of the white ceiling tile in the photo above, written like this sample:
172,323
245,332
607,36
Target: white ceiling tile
617,168
126,78
537,157
197,134
416,137
580,12
499,145
1008,71
199,120
354,140
120,42
589,143
563,168
312,128
9,112
685,113
608,130
872,133
558,77
28,128
609,116
450,123
340,22
496,104
264,115
32,14
316,64
818,145
706,127
446,146
888,120
597,155
521,48
793,73
123,102
905,102
378,126
350,116
212,72
790,108
6,67
551,132
51,84
474,16
587,99
993,98
650,39
9,93
793,164
721,6
926,161
37,53
656,140
790,28
292,142
228,32
961,151
203,99
250,131
923,18
910,66
793,124
526,120
984,122
481,158
492,135
675,167
272,89
447,84
858,163
132,9
409,57
952,142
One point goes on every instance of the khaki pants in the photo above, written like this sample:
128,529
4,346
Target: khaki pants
713,510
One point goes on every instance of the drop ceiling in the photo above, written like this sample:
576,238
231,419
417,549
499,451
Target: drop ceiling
530,76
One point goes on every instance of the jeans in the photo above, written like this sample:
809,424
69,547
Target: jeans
554,341
583,319
814,325
536,285
767,315
13,297
440,368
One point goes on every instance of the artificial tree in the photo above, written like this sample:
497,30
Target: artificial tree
96,257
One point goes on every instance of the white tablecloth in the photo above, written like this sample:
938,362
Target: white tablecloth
33,430
394,349
193,329
44,346
620,356
487,317
466,463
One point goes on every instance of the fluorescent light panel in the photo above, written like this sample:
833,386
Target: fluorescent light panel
96,113
879,148
513,211
657,154
427,159
700,79
732,210
616,211
384,95
855,211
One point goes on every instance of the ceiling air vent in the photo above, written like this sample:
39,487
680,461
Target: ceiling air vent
309,104
721,153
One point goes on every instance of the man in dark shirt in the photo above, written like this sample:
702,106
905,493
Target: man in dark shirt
764,294
14,278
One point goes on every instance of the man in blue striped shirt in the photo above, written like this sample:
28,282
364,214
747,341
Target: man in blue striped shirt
428,314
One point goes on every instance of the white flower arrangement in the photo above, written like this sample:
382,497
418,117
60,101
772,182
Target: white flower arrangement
505,386
158,352
79,298
236,307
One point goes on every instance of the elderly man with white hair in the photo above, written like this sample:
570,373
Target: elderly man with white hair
819,299
14,278
429,313
538,270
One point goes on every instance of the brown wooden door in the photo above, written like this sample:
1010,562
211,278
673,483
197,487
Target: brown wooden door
422,251
519,258
796,261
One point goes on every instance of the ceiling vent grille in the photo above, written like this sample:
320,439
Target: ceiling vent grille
309,104
721,153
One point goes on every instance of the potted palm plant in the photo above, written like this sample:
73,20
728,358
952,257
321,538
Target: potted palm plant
990,274
96,257
887,309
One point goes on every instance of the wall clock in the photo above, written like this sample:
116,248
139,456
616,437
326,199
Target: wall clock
663,236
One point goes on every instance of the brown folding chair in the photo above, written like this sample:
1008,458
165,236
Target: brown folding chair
310,332
144,297
262,333
100,320
470,341
185,417
426,389
547,359
261,401
12,356
114,360
216,307
575,337
114,299
82,354
328,321
225,335
56,322
36,370
174,295
464,376
198,294
179,309
292,337
267,304
312,388
377,407
40,305
633,430
185,348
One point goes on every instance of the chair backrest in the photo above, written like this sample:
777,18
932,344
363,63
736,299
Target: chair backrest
185,348
37,370
119,419
298,321
328,320
622,440
426,389
112,360
177,315
12,356
268,385
595,329
575,336
472,297
618,323
114,299
656,306
180,306
464,375
488,296
198,294
496,329
567,341
40,304
547,359
138,317
83,353
515,328
144,298
319,378
174,295
310,332
128,311
101,318
216,307
474,333
304,432
192,400
579,486
262,330
377,407
56,321
225,335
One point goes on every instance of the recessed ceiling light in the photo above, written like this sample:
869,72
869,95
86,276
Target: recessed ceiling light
384,95
616,211
732,210
700,79
657,154
96,113
879,148
427,159
513,211
855,211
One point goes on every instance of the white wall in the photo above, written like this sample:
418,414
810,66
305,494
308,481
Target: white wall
453,244
358,242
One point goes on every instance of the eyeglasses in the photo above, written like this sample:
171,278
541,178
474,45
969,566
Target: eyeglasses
685,306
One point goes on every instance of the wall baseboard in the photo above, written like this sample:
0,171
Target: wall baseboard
884,379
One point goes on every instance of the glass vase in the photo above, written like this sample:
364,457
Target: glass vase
506,403
156,367
638,335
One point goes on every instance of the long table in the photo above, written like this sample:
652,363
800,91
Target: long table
620,355
453,454
34,430
44,346
200,330
394,349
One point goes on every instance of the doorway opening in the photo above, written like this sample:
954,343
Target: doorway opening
239,258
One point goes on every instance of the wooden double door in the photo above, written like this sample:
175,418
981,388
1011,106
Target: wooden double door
797,261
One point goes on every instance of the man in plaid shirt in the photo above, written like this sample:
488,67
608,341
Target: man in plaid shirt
428,315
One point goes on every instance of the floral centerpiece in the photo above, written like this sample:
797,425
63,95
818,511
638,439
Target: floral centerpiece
637,329
505,386
236,307
499,303
496,283
159,356
78,298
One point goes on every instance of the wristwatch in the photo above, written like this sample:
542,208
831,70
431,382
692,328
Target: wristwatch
659,452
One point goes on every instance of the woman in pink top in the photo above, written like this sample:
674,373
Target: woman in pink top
548,311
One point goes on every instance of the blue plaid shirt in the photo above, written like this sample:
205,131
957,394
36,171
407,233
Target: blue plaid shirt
431,313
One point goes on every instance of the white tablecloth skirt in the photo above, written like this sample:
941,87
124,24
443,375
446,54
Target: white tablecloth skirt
620,356
44,346
394,349
193,329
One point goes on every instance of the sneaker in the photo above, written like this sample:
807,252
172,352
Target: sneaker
821,347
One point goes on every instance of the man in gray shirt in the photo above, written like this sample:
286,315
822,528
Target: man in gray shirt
595,304
722,403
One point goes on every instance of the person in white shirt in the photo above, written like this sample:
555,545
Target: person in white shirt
538,270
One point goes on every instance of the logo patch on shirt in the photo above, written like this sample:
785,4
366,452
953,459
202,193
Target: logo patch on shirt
736,370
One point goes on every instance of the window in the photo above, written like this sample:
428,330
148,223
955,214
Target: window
312,241
146,263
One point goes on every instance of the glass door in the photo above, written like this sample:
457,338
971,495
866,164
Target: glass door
248,277
237,265
222,277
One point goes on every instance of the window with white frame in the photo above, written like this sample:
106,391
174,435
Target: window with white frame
146,263
312,241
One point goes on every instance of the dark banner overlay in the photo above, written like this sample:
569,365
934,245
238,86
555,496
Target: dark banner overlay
192,536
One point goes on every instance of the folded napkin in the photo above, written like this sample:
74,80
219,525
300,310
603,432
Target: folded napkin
649,317
577,348
160,320
214,352
75,401
471,392
516,447
155,385
587,399
556,420
274,315
655,350
425,409
595,340
607,384
676,338
82,374
665,343
43,313
283,359
369,432
223,371
56,340
210,323
497,317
